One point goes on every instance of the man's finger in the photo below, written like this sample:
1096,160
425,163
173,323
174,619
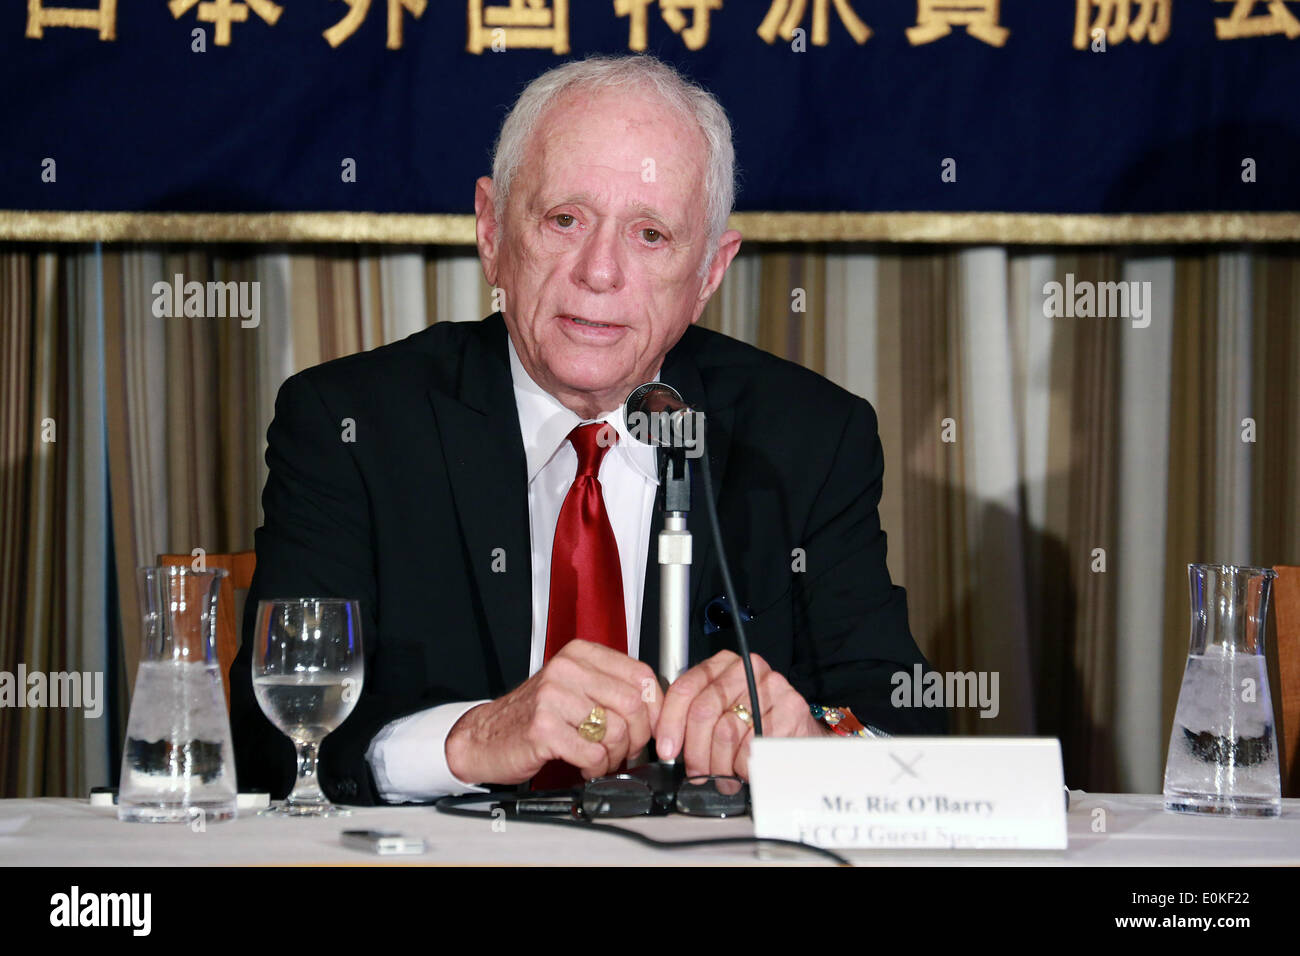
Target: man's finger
730,734
577,673
731,689
727,689
619,666
785,712
741,764
670,729
702,719
558,737
615,742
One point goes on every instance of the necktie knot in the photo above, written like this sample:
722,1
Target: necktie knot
591,441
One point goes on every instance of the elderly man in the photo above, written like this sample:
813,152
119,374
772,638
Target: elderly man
496,519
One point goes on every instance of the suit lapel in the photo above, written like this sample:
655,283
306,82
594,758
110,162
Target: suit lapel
484,453
681,371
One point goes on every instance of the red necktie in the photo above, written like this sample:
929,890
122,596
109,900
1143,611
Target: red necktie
586,599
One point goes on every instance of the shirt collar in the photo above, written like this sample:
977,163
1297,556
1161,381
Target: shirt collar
545,424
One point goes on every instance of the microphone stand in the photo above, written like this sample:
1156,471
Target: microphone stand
674,565
664,776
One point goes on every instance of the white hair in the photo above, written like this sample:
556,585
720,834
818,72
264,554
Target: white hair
641,72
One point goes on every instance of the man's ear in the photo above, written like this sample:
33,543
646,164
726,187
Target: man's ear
487,231
728,246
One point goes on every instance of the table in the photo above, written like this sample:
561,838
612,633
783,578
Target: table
1137,832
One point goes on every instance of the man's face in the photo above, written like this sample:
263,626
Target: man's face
598,256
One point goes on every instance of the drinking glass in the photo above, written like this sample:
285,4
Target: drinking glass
307,673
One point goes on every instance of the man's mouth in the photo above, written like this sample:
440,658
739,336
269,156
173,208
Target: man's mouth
589,323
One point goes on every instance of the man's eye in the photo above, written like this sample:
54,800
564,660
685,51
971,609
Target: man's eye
651,235
564,219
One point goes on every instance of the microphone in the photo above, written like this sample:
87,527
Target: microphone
656,414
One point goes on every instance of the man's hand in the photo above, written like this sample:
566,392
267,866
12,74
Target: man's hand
698,710
509,739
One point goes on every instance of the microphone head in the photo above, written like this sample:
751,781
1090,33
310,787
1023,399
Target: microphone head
653,413
653,397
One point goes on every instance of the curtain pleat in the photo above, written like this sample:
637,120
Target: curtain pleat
1141,518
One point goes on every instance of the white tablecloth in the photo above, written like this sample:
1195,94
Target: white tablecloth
1137,832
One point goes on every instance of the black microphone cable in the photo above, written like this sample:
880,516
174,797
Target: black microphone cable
458,806
728,587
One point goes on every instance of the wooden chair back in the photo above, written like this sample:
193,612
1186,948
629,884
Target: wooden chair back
1286,614
239,567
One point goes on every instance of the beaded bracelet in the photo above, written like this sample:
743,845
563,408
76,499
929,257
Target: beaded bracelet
840,720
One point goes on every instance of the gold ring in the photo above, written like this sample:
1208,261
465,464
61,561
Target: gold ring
593,728
741,711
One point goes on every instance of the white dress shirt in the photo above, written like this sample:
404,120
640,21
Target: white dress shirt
408,757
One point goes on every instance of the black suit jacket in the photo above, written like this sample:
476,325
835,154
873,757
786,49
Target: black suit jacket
408,516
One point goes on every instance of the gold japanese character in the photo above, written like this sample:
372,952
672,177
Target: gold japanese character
1115,17
357,13
695,36
785,15
1241,22
104,19
936,18
223,13
522,24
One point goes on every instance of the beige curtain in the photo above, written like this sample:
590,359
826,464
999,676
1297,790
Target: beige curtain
56,589
1047,479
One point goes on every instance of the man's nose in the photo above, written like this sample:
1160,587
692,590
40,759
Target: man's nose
600,263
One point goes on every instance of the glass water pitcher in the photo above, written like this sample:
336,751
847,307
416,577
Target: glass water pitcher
178,763
1223,749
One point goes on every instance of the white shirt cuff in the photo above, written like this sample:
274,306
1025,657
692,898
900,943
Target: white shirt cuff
408,758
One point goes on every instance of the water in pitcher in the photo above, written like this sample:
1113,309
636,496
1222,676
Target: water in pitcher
1223,739
178,763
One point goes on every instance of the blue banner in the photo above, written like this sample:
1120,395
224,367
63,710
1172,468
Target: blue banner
1025,106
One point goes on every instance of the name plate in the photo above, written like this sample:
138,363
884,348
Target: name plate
901,793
